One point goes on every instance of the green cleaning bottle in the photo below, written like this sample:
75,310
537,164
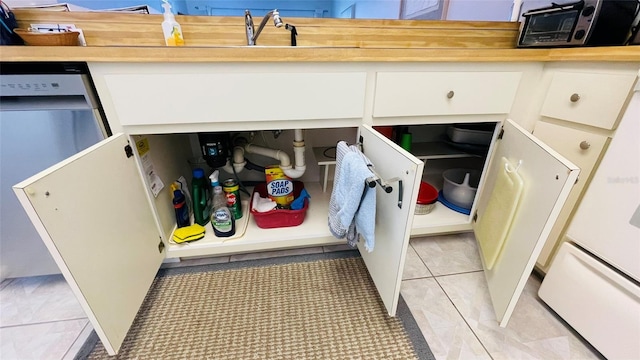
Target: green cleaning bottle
201,196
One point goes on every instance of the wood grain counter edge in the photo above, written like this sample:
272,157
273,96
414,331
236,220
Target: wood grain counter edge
301,54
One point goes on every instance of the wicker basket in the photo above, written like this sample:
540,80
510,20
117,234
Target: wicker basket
68,38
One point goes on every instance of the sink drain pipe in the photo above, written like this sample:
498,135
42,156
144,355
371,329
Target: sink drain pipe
293,172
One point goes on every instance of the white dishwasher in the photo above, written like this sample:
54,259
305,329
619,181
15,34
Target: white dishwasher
594,280
48,112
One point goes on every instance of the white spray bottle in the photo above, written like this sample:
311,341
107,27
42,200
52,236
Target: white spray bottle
170,27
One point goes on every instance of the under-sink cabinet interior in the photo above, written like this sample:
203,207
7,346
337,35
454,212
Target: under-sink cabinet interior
173,156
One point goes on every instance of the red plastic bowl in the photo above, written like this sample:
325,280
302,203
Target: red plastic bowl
427,194
427,197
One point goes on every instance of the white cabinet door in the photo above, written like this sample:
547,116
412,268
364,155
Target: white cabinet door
93,215
548,179
393,219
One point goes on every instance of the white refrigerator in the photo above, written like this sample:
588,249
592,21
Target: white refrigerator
594,280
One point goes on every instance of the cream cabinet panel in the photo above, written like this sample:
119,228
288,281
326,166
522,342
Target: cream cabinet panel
444,93
161,99
548,179
581,148
168,155
587,98
93,215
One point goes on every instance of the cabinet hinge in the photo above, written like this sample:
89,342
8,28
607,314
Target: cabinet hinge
160,245
501,133
128,151
475,216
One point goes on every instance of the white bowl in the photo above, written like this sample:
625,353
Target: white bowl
460,186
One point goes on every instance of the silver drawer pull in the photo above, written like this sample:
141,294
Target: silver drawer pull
584,145
575,97
450,94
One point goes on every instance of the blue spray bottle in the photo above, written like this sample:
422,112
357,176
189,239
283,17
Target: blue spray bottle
180,206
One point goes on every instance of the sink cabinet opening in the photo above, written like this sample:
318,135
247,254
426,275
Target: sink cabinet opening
174,156
444,147
167,158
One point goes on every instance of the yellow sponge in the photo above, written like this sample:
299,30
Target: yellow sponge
188,233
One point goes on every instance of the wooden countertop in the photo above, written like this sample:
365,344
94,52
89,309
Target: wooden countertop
313,54
138,39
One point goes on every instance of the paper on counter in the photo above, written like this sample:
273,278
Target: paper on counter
59,28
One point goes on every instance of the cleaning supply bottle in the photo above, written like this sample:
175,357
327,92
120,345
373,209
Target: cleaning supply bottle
201,197
213,179
170,27
181,208
222,221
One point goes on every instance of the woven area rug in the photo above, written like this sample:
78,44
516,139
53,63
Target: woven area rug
321,306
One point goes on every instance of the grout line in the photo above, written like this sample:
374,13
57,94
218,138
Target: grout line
459,273
423,263
77,344
435,277
440,276
460,313
418,278
43,322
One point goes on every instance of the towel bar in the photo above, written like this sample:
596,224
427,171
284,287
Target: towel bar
384,184
371,181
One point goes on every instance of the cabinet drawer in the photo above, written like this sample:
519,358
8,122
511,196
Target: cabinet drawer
148,99
590,99
444,93
581,148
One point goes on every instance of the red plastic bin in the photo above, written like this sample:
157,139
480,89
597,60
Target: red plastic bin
279,217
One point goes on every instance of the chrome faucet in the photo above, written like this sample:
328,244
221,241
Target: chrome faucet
248,24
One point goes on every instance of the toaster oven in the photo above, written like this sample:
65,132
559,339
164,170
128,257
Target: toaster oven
581,23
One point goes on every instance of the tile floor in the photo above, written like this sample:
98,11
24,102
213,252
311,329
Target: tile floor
443,285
